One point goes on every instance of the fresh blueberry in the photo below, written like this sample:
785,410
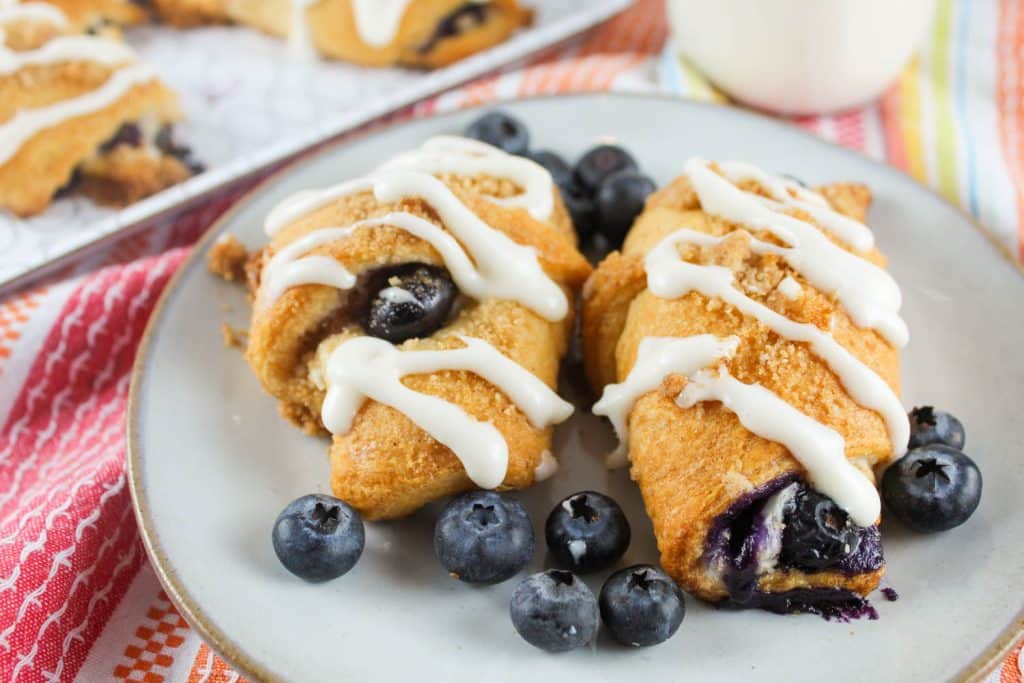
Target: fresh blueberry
318,537
482,537
554,610
818,533
587,531
928,425
600,163
932,488
581,209
619,201
555,165
501,130
406,301
641,606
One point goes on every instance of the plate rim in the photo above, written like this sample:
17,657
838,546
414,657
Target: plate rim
972,672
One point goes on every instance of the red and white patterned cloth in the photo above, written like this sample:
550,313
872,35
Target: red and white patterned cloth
78,599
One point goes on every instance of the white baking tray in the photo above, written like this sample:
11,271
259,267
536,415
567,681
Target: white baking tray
250,103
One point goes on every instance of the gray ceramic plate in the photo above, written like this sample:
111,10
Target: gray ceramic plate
212,463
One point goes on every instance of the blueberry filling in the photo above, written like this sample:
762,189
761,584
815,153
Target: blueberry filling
134,135
166,143
818,533
463,18
786,525
407,301
128,134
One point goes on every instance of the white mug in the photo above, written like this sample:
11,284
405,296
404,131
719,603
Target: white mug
800,56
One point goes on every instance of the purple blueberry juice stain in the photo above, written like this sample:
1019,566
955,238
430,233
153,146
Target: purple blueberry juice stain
890,594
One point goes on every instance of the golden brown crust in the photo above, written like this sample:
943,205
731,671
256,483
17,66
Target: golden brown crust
28,35
692,464
126,174
184,13
47,160
385,465
227,259
334,34
95,15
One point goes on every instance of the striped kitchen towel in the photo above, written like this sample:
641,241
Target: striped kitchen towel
954,120
78,599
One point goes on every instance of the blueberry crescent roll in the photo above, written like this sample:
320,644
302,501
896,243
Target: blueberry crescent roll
79,112
424,33
746,342
419,315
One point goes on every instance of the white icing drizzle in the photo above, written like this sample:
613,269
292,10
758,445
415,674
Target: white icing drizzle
370,368
867,292
286,269
788,194
300,37
657,358
32,11
773,513
452,154
377,21
67,49
820,449
484,262
546,468
397,295
28,122
669,277
790,288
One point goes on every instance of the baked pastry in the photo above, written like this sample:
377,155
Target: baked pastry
419,315
421,33
746,342
79,112
95,16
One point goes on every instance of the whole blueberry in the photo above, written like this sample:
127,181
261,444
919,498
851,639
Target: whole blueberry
932,488
641,606
501,130
600,163
587,531
581,209
483,537
619,201
406,301
554,164
928,425
554,610
818,533
318,537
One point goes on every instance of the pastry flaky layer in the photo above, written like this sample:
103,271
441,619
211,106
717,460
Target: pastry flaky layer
80,112
693,464
426,33
384,464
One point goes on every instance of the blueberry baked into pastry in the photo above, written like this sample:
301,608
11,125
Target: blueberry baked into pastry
416,33
746,343
79,112
419,316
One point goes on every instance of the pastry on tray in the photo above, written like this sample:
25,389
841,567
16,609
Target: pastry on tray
419,315
746,342
425,33
80,113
